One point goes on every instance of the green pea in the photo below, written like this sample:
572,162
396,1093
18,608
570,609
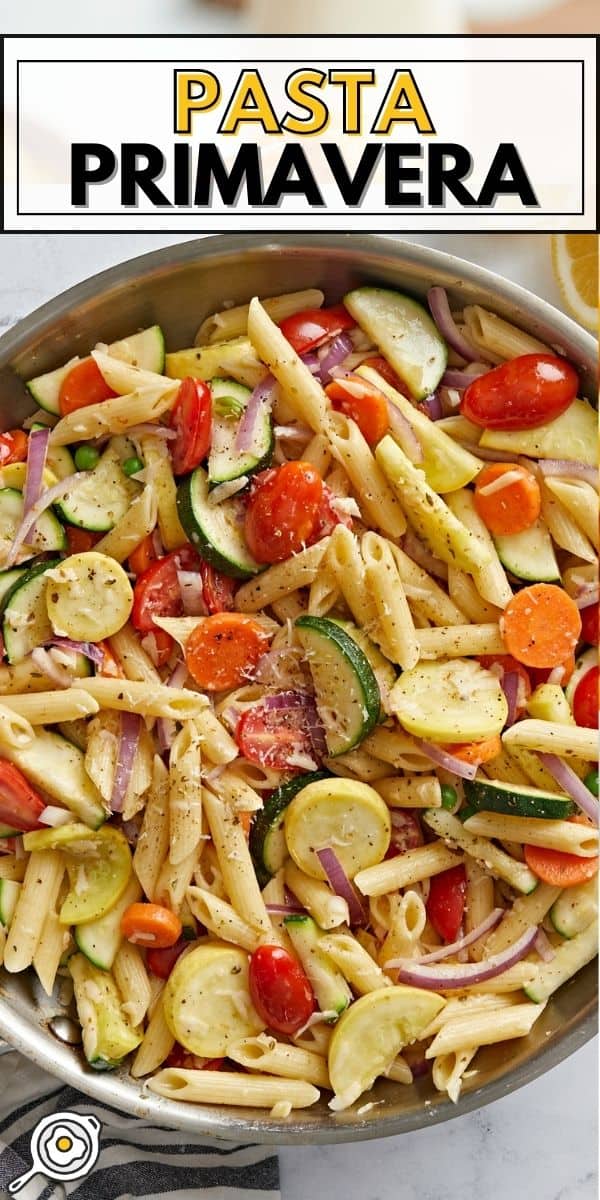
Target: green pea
131,466
591,782
449,796
86,458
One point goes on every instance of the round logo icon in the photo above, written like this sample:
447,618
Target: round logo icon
63,1146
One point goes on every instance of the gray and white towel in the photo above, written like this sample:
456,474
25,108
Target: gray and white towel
136,1158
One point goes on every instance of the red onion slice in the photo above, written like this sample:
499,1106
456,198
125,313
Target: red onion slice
453,378
312,361
60,489
337,351
572,784
261,399
341,885
440,310
128,741
405,433
285,910
433,407
37,449
447,761
192,595
562,468
510,684
543,946
88,649
463,943
450,976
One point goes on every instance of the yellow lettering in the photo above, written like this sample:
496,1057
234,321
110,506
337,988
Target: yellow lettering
352,83
249,103
195,91
297,91
403,102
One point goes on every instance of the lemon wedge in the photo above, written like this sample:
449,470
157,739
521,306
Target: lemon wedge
575,265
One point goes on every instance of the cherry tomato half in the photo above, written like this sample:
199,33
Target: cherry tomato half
446,901
180,1057
406,832
520,394
80,540
505,664
589,624
273,736
281,992
191,418
308,329
84,385
283,511
585,700
157,592
13,447
382,366
161,962
363,403
218,589
20,804
329,516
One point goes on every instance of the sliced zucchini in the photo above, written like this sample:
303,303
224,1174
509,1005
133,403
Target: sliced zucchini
330,988
99,940
454,701
25,621
267,838
229,401
529,555
446,464
347,692
235,359
575,908
45,389
405,334
206,1001
9,894
145,350
490,795
343,815
15,475
372,1033
583,664
105,495
572,436
57,766
6,831
568,960
47,536
216,529
107,1036
384,671
58,458
8,580
98,864
89,597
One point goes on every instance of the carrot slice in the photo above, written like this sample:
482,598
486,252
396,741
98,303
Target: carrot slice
541,626
507,498
150,925
476,752
110,666
560,869
363,403
143,555
222,651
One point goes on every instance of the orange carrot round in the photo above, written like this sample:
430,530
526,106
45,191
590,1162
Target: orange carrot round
150,925
558,868
143,555
541,626
507,498
476,753
222,651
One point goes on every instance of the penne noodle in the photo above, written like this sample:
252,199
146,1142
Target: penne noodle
233,322
458,641
567,741
496,861
158,465
155,1046
38,894
487,331
395,628
264,1053
155,700
448,1070
223,1087
300,387
422,792
220,918
407,868
358,968
136,664
113,416
483,1028
375,496
282,579
133,527
489,577
235,862
554,835
132,981
185,794
15,729
46,708
328,910
153,841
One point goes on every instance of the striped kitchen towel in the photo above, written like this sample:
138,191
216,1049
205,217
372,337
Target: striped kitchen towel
46,1124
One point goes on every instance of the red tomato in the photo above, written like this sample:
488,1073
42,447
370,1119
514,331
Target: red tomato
13,447
589,624
271,737
329,516
585,700
161,962
218,589
157,592
363,403
382,366
283,511
406,831
446,902
510,665
522,393
160,647
84,385
80,540
191,418
281,992
180,1057
542,674
309,329
20,804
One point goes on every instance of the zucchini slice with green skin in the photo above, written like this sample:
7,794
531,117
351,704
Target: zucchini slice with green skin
45,389
105,495
107,1037
384,671
145,350
575,908
529,555
404,333
8,580
229,401
330,988
267,838
9,894
100,940
568,960
48,535
25,620
215,529
347,693
491,795
57,766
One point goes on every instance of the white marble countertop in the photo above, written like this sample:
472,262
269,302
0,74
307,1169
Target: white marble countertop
538,1144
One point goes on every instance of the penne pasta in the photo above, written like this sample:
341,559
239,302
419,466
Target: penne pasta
38,894
499,864
235,862
376,498
113,416
300,387
185,794
396,633
264,1053
223,1087
460,641
484,1028
422,792
282,579
154,700
488,331
155,1046
405,869
220,918
160,471
328,910
568,741
554,835
42,708
15,729
233,322
131,978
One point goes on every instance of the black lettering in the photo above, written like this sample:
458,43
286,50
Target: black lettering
293,158
352,187
141,165
396,174
447,175
181,176
516,182
84,172
245,170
